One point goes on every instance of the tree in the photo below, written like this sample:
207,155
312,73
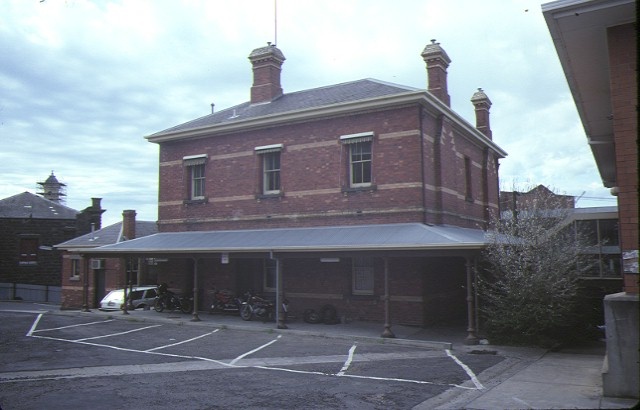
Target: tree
529,283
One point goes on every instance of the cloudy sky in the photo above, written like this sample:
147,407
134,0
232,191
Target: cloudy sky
82,82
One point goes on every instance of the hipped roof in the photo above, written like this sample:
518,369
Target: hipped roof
28,205
406,236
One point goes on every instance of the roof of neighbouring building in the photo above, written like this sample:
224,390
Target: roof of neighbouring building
108,235
300,100
28,205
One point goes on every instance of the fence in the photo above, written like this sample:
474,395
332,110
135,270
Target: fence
31,293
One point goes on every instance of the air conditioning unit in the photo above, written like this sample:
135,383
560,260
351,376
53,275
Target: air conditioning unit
97,263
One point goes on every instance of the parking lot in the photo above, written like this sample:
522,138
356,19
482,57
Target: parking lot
52,360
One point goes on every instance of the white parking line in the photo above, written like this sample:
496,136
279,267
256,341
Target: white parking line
466,368
234,361
179,343
33,326
347,363
114,334
76,325
111,370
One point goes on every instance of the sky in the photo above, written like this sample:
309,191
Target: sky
83,82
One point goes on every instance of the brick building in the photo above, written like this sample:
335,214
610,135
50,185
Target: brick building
31,225
597,43
86,281
366,195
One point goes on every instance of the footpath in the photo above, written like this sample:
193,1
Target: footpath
528,378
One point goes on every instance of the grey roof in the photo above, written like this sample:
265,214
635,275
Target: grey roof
406,236
108,235
313,98
28,205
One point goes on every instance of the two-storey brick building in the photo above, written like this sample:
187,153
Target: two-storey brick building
366,195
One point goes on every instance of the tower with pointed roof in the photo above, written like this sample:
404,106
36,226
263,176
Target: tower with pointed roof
52,189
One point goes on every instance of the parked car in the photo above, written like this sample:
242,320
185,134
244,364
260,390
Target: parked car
139,297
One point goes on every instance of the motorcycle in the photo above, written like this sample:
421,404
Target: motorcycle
261,308
169,301
256,306
224,301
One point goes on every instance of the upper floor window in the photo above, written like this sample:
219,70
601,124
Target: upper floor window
195,165
360,158
28,251
270,158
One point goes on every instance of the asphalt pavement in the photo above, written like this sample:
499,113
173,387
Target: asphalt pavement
529,378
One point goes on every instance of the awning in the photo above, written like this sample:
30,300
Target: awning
388,237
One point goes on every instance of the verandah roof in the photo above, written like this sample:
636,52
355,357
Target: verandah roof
405,236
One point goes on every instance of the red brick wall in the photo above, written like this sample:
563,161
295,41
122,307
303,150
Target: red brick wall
315,173
624,101
422,290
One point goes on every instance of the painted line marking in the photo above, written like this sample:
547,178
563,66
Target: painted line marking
124,349
49,375
76,325
179,343
34,325
466,368
347,363
22,376
242,356
114,334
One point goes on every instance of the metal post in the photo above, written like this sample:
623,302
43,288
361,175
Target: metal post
195,317
387,316
472,338
125,308
280,315
85,287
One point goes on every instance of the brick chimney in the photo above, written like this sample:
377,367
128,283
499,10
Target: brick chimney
482,104
91,215
129,224
437,62
267,66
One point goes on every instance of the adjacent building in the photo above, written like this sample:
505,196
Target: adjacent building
86,281
31,225
597,43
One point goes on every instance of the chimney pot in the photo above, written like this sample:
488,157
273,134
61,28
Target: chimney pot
129,224
437,62
267,67
482,104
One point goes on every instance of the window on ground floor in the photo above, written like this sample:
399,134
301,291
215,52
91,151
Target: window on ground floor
362,276
75,268
270,271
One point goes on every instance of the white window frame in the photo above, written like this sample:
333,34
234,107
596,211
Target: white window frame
268,152
196,168
354,141
75,268
197,181
363,279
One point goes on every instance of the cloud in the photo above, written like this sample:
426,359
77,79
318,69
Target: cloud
84,82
